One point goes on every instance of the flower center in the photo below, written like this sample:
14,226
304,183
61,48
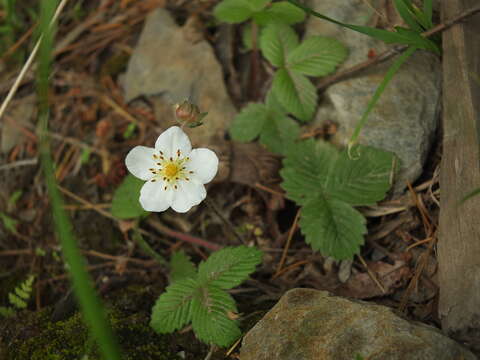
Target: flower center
171,170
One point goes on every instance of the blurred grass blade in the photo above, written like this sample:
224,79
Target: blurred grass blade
89,302
406,12
381,88
428,11
470,195
389,37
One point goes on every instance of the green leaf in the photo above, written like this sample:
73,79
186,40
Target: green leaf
276,42
305,169
281,12
428,12
362,180
279,132
404,8
229,267
332,227
248,124
181,267
9,223
257,5
210,321
6,311
233,11
470,195
173,308
317,56
328,183
389,37
125,203
247,36
296,93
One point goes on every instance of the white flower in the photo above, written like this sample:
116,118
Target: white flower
174,173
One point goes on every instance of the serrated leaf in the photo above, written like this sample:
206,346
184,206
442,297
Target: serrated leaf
296,93
281,12
125,203
248,124
233,11
279,132
181,267
332,227
210,321
317,56
173,308
305,169
276,42
362,179
229,267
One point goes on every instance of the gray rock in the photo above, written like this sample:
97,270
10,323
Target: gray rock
308,324
173,63
405,119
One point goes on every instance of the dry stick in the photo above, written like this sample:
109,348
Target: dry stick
287,245
386,55
227,222
29,62
371,274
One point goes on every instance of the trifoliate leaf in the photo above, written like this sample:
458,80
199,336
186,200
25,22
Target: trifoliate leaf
281,12
173,308
305,169
362,178
317,56
181,267
296,93
233,11
279,132
276,42
229,267
332,227
327,183
125,203
248,124
211,308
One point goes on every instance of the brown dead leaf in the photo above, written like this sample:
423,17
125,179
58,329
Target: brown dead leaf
361,285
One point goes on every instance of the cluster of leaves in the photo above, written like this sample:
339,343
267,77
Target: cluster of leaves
200,297
294,60
18,298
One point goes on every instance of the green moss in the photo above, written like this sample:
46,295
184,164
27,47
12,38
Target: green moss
33,336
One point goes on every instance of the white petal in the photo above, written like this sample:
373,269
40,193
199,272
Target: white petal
189,194
204,164
139,160
153,197
173,139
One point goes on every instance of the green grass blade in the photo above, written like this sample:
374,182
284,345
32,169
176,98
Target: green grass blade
89,302
470,195
428,11
405,11
389,37
381,88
